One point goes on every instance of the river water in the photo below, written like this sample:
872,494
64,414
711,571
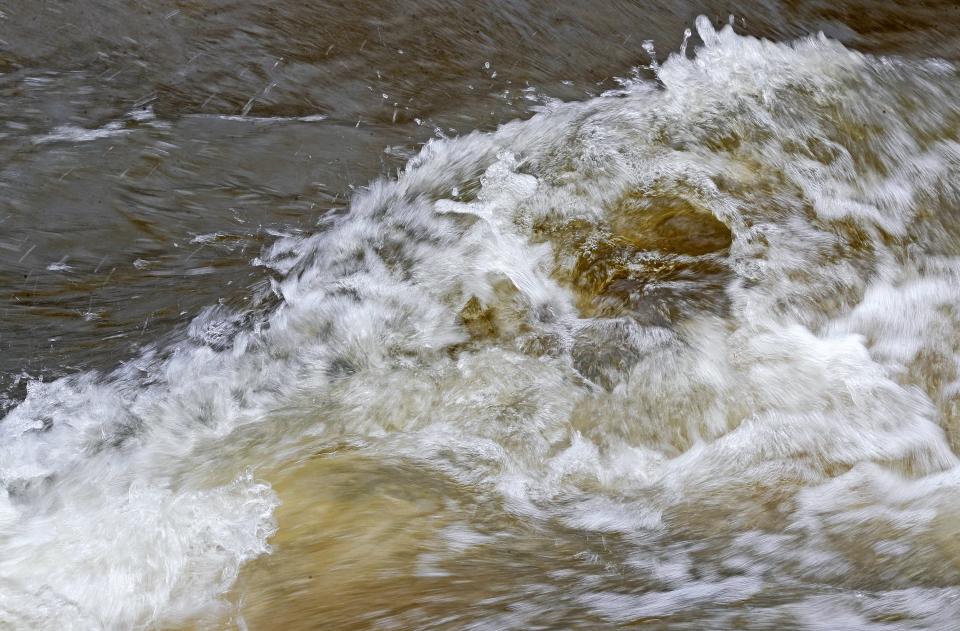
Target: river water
513,315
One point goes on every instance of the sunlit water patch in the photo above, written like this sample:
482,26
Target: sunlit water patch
684,354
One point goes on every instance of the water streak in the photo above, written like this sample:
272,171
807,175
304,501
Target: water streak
684,353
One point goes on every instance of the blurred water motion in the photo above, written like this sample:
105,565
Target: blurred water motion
299,330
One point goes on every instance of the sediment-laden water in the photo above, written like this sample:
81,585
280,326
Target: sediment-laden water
683,353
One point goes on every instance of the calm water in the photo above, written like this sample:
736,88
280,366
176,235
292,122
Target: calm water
521,315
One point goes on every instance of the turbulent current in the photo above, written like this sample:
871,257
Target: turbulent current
685,354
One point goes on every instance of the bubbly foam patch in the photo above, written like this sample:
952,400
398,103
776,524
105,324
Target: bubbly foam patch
691,333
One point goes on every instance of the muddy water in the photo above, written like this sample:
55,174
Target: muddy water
300,331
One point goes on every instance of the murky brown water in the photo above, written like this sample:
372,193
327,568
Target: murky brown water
151,153
195,197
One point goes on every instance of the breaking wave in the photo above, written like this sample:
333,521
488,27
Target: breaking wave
712,318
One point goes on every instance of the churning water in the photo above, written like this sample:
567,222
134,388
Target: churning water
686,354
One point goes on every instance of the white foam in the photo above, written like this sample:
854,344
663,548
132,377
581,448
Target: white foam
128,498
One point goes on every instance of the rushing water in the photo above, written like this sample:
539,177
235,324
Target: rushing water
678,349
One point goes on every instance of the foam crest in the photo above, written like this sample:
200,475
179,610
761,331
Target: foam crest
700,311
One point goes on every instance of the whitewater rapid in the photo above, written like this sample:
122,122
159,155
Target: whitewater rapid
712,318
